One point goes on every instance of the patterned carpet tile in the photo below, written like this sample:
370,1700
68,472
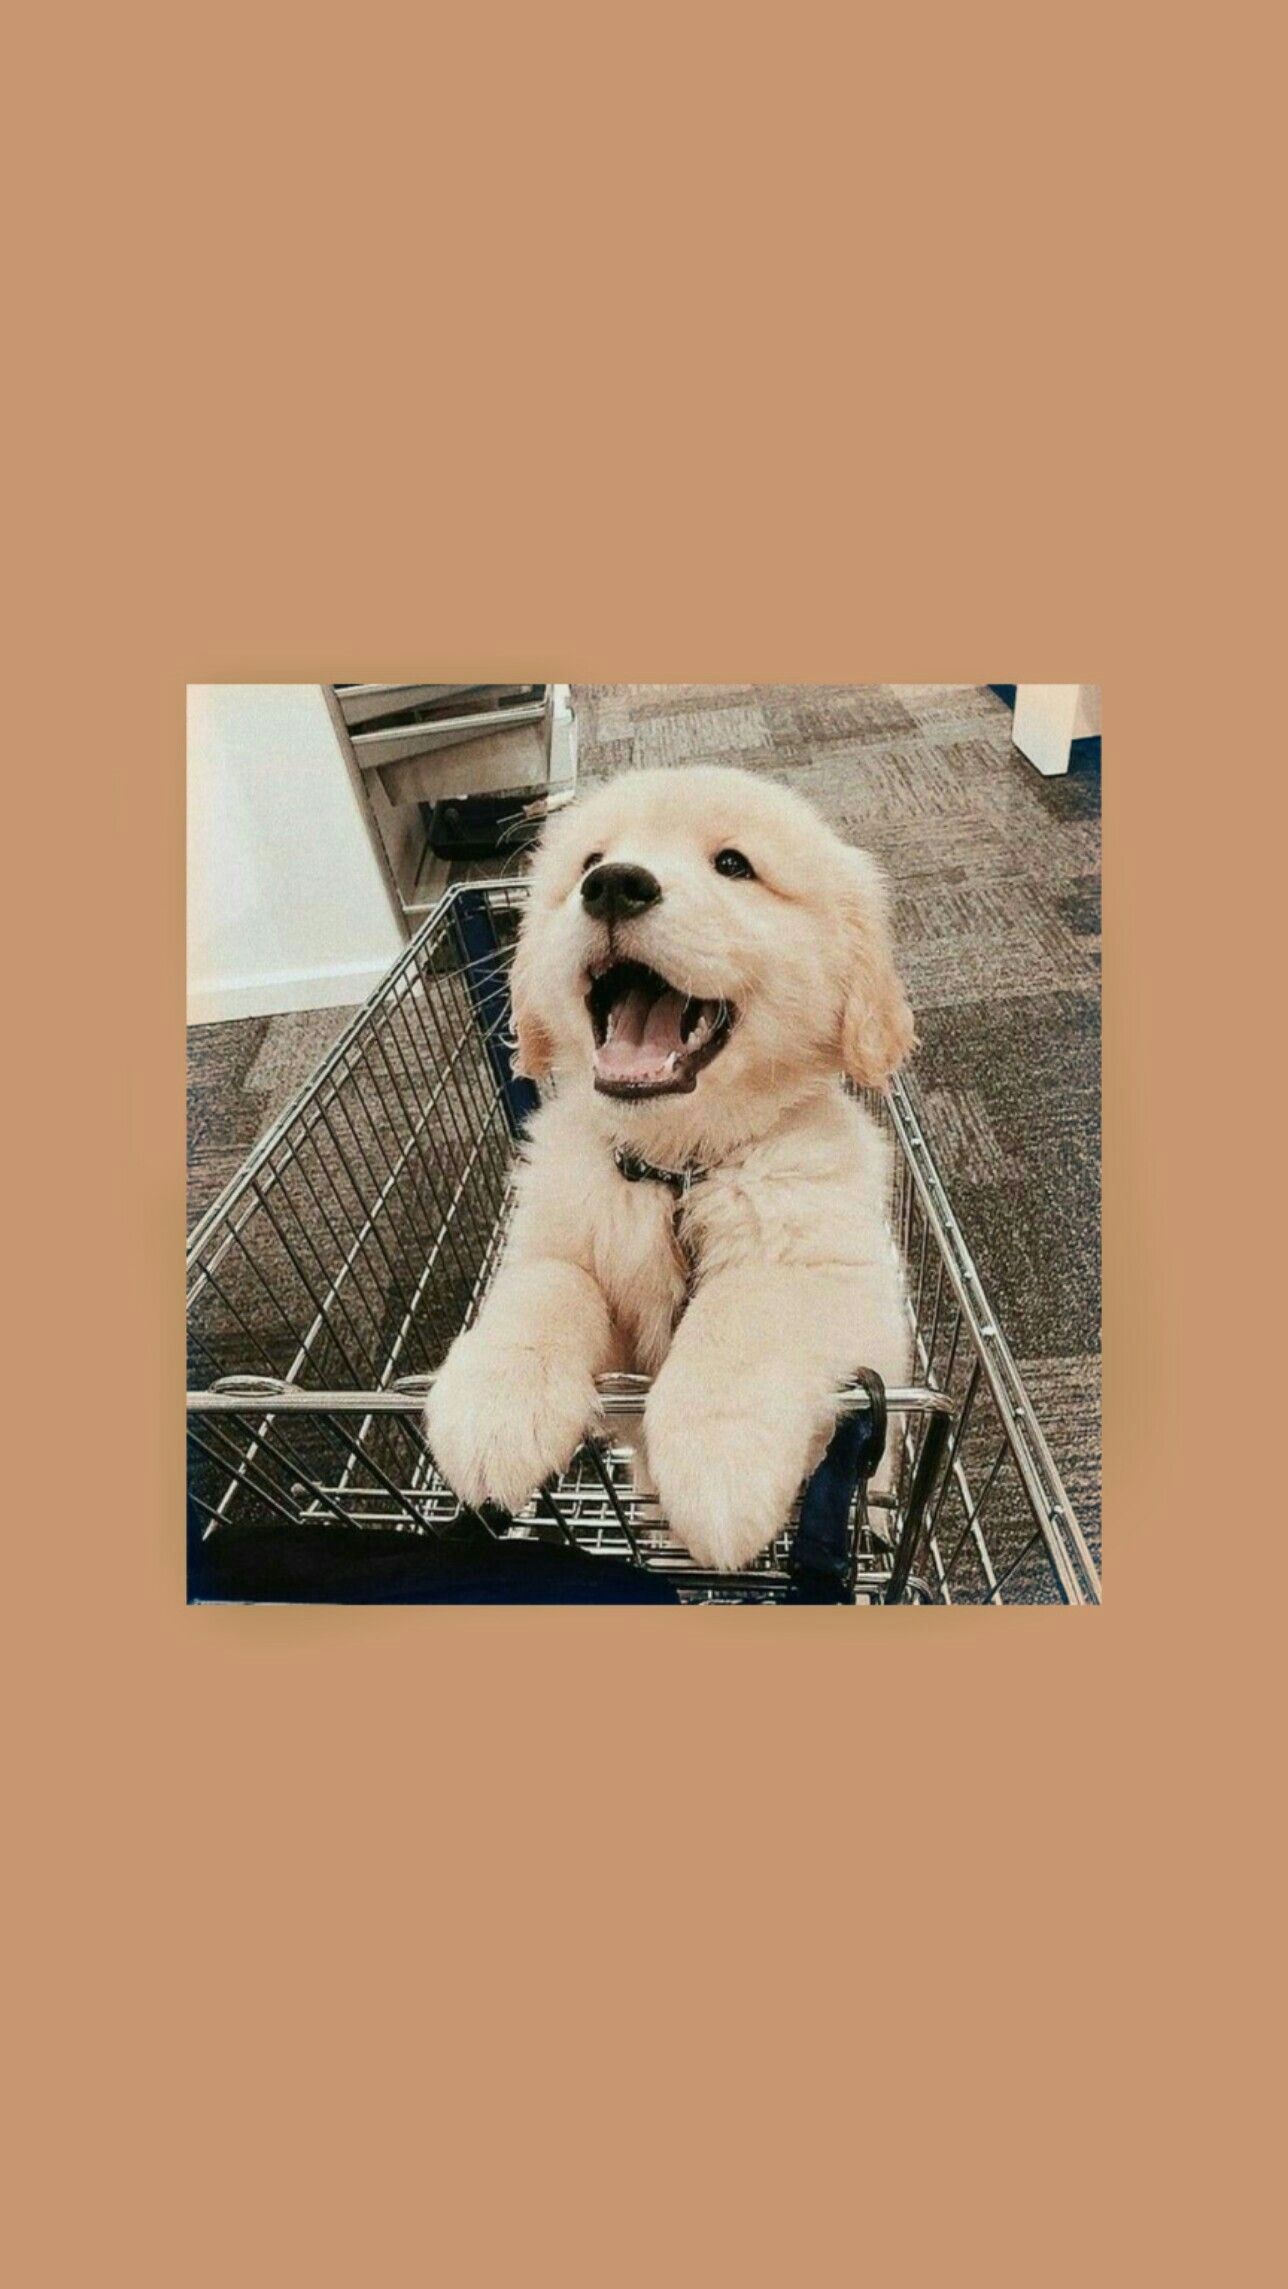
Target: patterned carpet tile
690,737
972,847
291,1052
632,701
219,1058
1080,906
211,1168
1073,795
1036,957
1033,1253
1027,1067
936,706
1066,1399
838,718
967,1147
931,909
241,1074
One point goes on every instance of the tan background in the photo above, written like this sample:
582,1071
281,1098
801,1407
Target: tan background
379,1947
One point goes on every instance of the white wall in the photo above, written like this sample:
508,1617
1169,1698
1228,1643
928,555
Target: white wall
287,904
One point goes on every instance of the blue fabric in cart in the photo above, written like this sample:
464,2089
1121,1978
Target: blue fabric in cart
321,1565
487,977
823,1555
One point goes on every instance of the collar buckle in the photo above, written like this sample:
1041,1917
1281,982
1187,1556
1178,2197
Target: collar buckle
680,1181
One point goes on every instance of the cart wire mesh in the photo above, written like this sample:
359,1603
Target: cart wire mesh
327,1284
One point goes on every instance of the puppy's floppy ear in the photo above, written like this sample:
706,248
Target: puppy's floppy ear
876,1023
535,1039
536,1046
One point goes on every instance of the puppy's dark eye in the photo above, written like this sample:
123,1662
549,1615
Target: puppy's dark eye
732,862
593,860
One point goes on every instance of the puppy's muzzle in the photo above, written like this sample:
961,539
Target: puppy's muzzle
615,893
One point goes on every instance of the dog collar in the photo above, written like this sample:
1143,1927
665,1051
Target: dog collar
677,1180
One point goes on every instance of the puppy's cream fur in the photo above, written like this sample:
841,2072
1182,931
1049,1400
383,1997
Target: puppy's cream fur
796,1283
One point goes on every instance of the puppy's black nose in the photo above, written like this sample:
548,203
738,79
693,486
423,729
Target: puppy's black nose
614,893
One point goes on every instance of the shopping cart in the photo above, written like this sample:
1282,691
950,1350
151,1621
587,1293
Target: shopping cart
328,1282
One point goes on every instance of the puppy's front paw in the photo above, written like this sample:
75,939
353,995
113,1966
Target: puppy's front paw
725,1485
503,1418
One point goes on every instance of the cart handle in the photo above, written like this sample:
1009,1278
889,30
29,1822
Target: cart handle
619,1395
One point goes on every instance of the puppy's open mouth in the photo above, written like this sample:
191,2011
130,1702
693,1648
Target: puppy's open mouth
651,1041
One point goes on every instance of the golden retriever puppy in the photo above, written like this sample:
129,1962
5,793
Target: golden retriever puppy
700,962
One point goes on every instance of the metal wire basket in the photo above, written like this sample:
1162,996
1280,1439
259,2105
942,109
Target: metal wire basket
327,1283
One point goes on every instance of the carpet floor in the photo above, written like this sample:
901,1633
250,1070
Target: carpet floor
996,873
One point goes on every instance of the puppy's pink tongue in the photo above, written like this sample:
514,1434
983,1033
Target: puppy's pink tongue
630,1016
644,1031
662,1030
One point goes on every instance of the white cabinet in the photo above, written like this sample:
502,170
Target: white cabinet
308,854
1049,717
